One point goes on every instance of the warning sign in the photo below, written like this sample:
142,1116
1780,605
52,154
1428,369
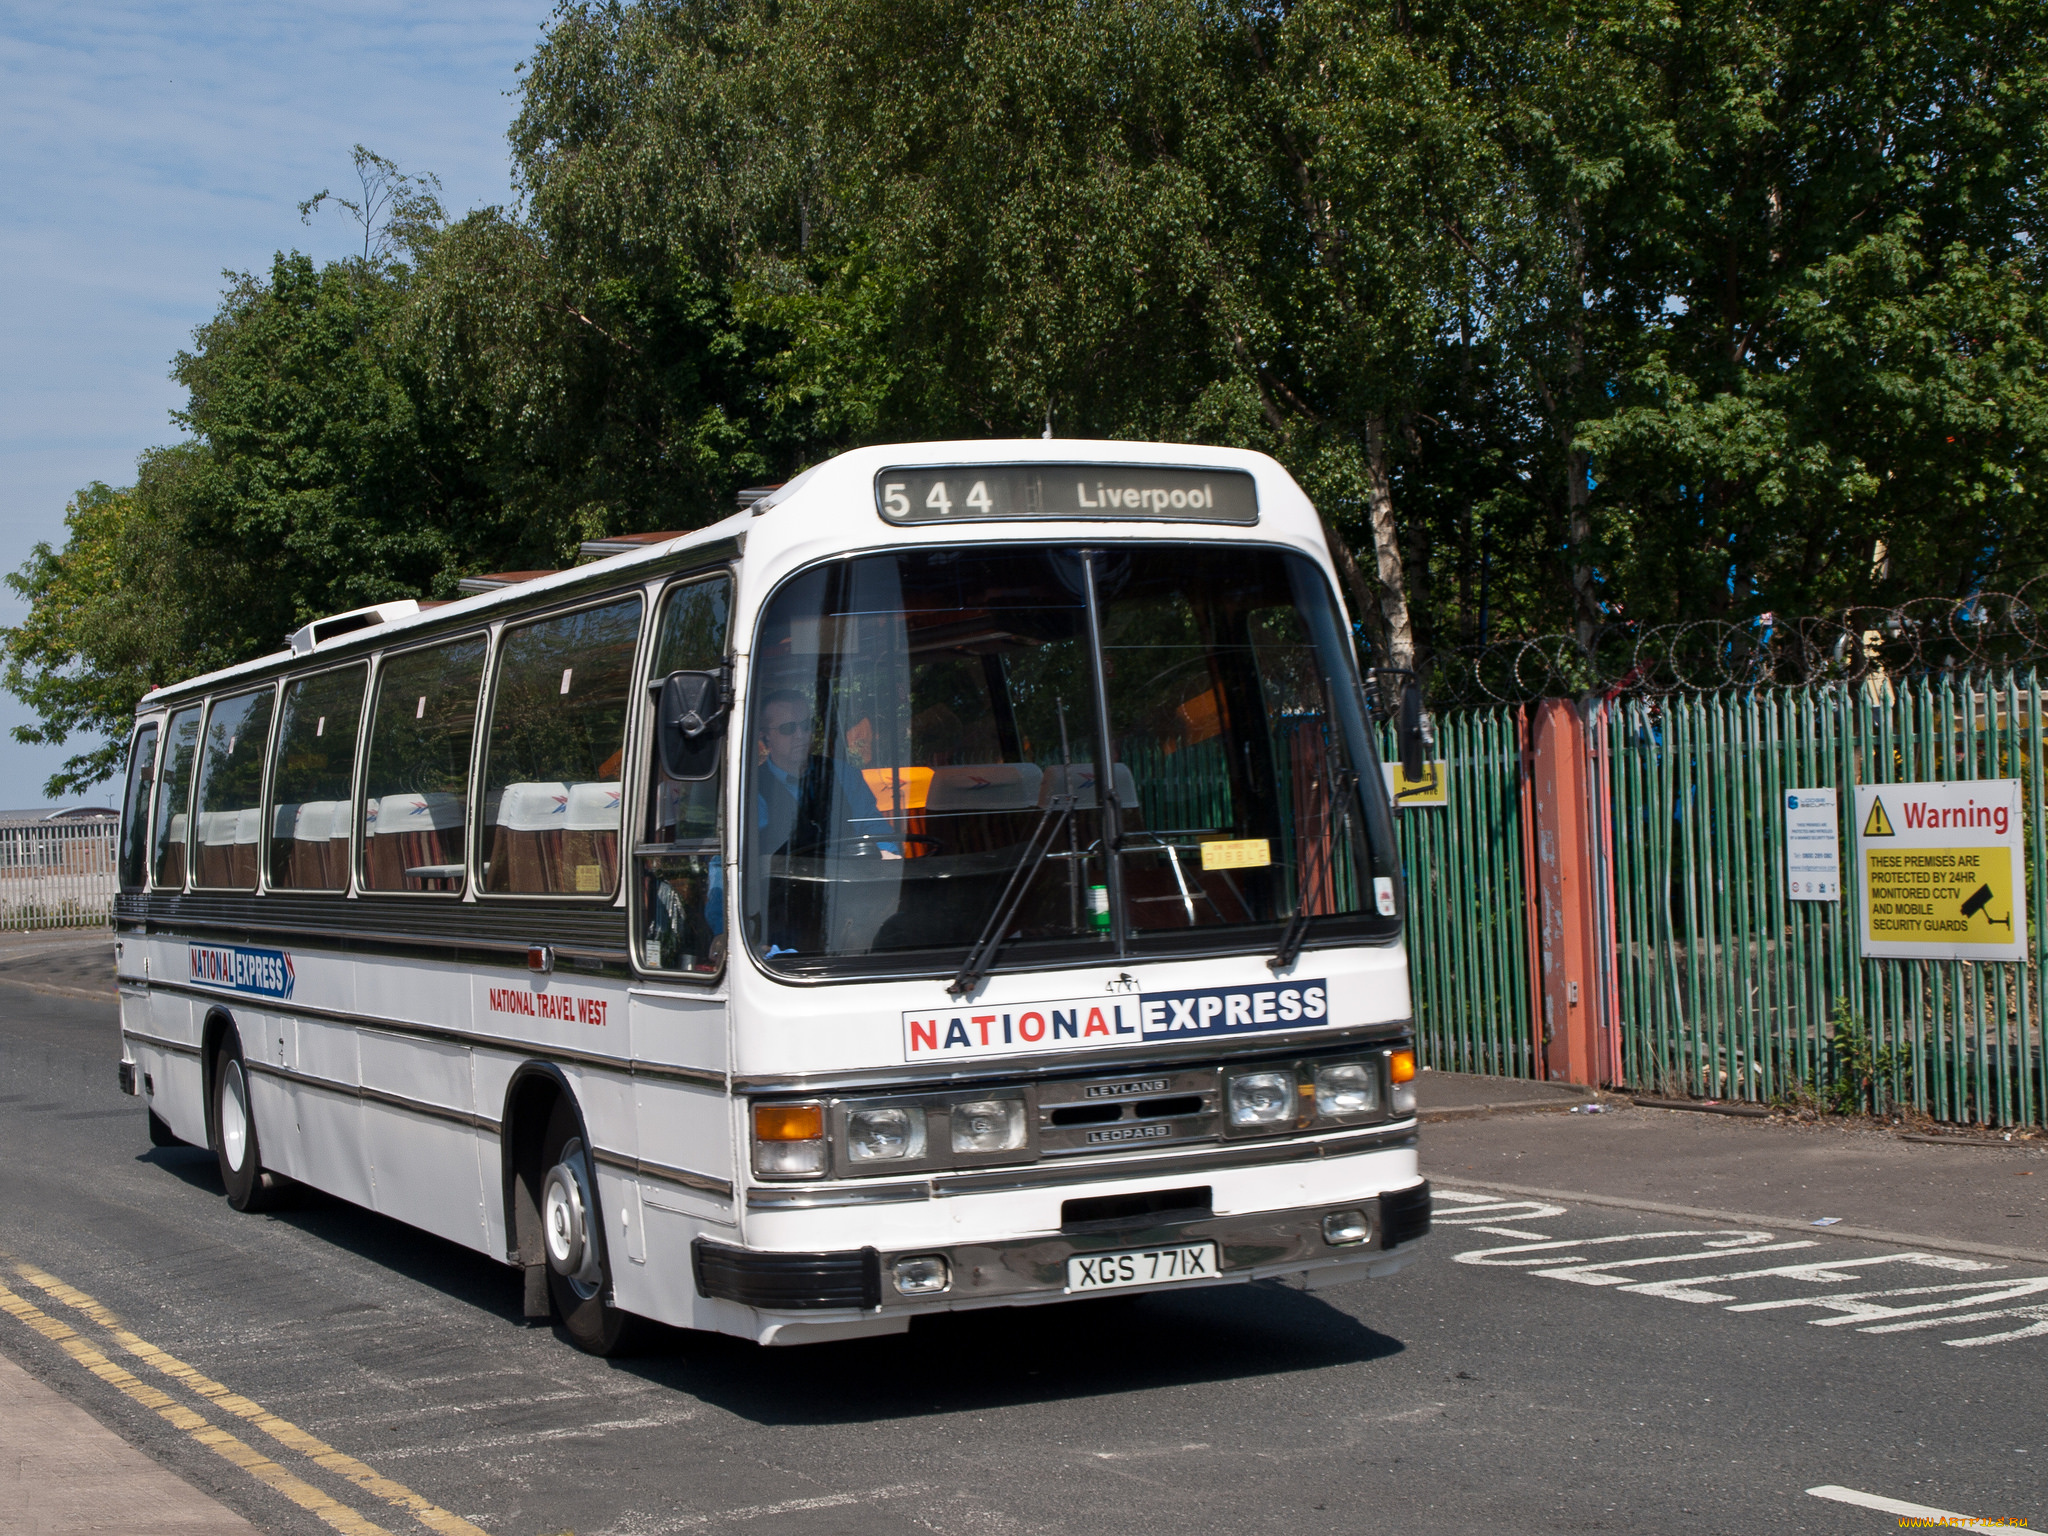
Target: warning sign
1943,875
1433,788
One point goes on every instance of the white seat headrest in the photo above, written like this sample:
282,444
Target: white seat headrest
1084,786
534,807
592,807
315,823
418,813
984,787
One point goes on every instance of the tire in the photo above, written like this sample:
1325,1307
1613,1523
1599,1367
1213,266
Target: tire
573,1240
160,1133
235,1142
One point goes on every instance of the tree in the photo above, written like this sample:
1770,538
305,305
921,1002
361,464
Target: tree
104,623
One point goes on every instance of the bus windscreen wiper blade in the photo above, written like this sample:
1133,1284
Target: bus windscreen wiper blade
1342,794
1058,811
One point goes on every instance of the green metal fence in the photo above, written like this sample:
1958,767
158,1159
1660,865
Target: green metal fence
1719,985
1468,927
1728,989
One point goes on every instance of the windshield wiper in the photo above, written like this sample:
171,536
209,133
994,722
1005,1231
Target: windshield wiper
1343,791
1059,810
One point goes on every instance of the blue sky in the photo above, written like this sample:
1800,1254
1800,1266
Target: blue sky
144,148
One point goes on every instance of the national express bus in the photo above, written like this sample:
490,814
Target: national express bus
963,878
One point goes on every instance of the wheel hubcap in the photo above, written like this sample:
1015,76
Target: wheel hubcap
565,1222
234,1116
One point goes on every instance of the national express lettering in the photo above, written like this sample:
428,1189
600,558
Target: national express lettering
1077,1023
259,972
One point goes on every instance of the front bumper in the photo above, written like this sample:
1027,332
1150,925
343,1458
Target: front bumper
1027,1270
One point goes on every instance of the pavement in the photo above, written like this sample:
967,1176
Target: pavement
64,1474
380,1371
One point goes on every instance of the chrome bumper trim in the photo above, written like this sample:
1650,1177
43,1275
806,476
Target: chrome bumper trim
1075,1171
1269,1243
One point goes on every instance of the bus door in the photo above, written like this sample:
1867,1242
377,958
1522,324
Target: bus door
679,914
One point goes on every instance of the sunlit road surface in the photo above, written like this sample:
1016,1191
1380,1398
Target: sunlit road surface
1548,1367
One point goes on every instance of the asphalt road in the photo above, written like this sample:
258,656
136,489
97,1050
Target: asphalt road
1536,1385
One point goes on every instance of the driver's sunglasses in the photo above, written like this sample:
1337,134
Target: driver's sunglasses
787,728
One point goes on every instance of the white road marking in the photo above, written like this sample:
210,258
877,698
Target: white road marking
1963,1305
535,1437
1517,1257
1497,1210
640,1525
1883,1505
1147,1453
1856,1307
1820,1273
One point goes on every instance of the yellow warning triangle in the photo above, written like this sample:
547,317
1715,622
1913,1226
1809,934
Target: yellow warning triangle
1878,824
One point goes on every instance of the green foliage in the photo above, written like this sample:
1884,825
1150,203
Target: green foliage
1861,1074
103,621
1562,312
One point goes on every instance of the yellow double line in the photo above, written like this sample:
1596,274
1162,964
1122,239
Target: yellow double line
205,1431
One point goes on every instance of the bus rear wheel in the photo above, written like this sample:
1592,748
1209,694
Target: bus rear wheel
572,1232
235,1141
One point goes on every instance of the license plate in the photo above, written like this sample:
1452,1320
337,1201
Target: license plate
1143,1266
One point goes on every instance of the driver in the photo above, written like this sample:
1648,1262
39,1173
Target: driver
806,803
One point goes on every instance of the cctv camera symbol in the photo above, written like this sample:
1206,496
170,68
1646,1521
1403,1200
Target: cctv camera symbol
1979,902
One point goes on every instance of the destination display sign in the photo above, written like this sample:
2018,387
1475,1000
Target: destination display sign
1944,875
1063,492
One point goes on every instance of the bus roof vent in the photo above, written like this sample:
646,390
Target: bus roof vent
756,493
626,543
309,637
475,584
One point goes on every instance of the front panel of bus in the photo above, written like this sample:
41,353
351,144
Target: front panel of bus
1002,1017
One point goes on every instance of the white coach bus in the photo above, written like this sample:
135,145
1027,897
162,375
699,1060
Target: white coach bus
740,930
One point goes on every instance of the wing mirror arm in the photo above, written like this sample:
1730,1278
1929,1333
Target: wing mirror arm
1414,735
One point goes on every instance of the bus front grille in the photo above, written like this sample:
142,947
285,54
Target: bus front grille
1132,1109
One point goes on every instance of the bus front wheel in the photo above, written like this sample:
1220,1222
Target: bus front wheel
234,1130
579,1278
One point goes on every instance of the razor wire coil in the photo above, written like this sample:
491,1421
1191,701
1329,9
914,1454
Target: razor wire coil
1861,645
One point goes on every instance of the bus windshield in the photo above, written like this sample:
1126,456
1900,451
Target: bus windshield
916,715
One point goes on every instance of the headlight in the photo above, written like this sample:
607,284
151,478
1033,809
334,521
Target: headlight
924,1275
789,1140
1348,1088
884,1135
1262,1098
988,1125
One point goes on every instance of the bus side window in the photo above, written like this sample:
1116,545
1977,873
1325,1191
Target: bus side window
231,791
309,797
680,870
174,799
415,811
558,735
135,809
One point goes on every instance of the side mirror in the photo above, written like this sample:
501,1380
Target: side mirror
689,723
1414,735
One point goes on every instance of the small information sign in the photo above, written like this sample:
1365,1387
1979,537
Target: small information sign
1942,870
1813,845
